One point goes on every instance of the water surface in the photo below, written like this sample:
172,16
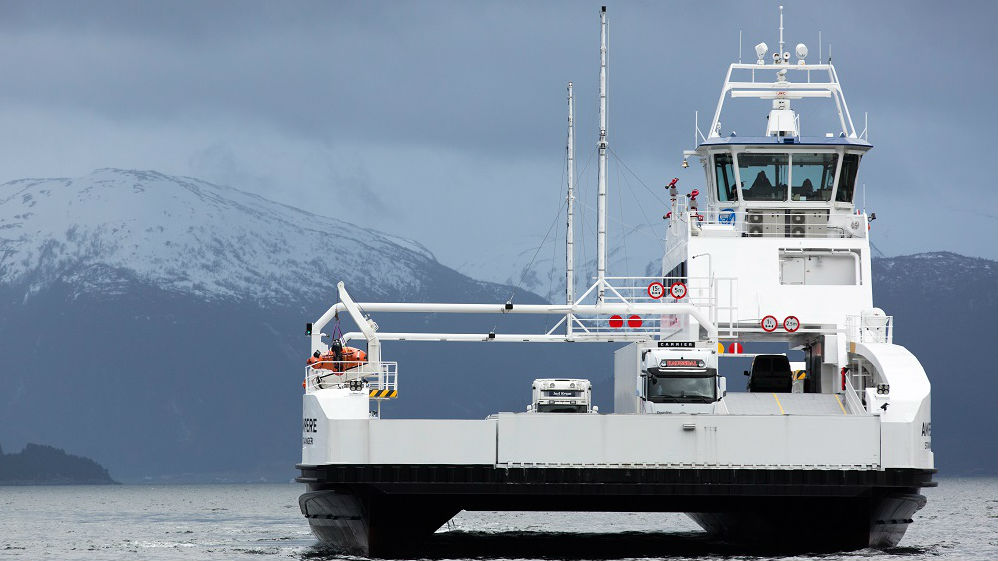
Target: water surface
263,522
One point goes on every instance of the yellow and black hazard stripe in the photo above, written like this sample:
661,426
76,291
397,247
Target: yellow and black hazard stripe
800,374
384,393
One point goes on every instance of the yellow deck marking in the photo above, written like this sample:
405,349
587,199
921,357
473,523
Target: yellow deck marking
780,405
842,407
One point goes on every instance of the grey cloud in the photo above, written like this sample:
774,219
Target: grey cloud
295,100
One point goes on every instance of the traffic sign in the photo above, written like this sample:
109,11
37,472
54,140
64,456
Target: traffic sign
677,290
656,290
769,324
791,324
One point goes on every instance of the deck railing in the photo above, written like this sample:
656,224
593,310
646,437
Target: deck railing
716,295
352,374
870,328
770,222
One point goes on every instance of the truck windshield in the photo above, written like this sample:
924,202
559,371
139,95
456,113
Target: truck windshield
689,386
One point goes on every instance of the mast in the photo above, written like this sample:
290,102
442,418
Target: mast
781,33
601,192
570,234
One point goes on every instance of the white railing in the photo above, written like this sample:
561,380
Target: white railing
715,295
770,222
870,328
853,403
351,374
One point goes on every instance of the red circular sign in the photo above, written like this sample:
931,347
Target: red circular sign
791,324
677,290
616,321
769,324
735,348
656,290
634,321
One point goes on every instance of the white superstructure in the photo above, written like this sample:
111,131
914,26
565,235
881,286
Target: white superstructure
774,251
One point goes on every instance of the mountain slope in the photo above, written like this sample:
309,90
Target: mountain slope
157,322
945,309
192,237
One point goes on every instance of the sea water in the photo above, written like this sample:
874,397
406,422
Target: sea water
263,522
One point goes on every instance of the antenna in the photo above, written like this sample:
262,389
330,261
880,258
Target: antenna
819,46
739,46
601,191
781,31
696,127
570,234
829,53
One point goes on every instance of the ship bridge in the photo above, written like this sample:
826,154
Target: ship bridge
777,212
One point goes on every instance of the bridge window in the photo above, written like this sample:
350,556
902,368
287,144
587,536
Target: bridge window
813,176
763,176
725,177
847,183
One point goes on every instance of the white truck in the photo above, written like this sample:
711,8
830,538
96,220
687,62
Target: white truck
562,395
667,379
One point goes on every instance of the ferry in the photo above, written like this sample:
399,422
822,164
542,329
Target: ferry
827,454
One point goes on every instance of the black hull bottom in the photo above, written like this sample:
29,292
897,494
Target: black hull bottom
385,511
816,524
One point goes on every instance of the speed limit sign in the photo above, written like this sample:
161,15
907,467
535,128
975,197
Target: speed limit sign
677,290
791,324
656,290
769,324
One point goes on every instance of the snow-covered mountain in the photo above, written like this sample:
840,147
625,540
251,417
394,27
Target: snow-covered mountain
155,323
192,237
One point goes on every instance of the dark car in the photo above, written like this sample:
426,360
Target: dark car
770,373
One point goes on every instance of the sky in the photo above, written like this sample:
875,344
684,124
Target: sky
444,122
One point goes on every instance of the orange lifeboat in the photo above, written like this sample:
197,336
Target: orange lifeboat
348,358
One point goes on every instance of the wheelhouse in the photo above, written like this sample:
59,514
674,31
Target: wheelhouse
781,172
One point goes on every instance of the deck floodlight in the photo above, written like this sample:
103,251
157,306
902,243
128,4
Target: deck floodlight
801,52
760,52
776,58
786,57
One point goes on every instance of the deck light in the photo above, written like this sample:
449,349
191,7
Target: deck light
760,52
786,57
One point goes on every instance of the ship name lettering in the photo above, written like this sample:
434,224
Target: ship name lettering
310,425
